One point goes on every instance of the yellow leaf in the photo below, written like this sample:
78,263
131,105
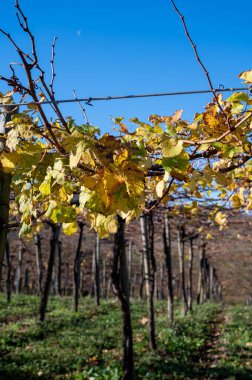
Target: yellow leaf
247,76
210,118
45,188
63,194
118,159
102,224
9,161
143,321
70,228
134,179
76,154
221,219
160,188
238,198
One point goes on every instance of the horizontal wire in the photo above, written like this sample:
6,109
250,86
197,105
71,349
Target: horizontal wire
95,99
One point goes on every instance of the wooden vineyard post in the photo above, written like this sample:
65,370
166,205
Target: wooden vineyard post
190,277
128,360
59,269
104,277
130,267
168,264
37,242
181,254
124,275
19,268
8,261
66,280
27,277
211,282
5,183
142,274
53,251
77,267
147,231
56,276
97,287
202,280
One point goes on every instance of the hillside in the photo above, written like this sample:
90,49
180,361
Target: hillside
229,251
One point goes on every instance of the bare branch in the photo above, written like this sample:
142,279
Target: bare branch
15,84
51,96
52,66
31,90
236,165
217,139
197,54
24,25
161,198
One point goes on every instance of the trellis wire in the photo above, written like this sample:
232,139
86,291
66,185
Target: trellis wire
89,100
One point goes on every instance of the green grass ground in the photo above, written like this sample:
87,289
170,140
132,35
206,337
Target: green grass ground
87,344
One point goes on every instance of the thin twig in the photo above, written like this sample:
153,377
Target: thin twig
236,165
25,27
197,54
217,139
161,198
84,113
28,68
31,90
52,66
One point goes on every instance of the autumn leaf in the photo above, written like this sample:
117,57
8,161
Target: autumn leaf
171,148
160,188
221,219
238,97
9,161
177,166
247,76
70,228
176,116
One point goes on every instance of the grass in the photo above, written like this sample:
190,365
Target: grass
235,358
87,344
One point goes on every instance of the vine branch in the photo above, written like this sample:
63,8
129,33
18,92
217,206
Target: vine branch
199,60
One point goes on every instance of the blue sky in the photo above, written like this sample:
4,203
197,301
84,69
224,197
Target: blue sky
116,48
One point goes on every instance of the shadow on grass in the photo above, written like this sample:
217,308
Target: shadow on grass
21,376
161,369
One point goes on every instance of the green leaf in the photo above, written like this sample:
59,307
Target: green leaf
228,151
238,97
172,148
237,107
180,162
63,214
25,228
118,119
218,145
